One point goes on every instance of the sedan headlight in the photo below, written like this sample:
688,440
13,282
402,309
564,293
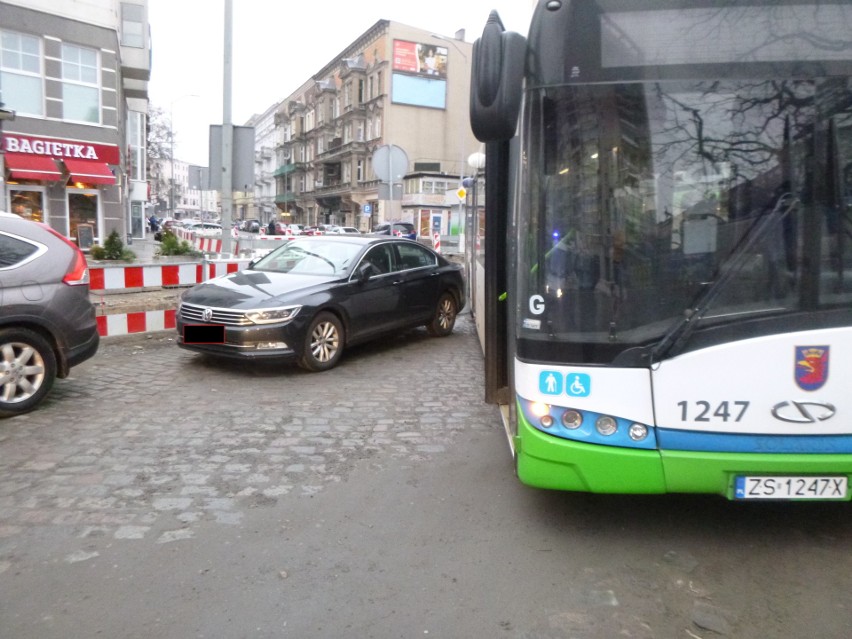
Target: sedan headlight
273,315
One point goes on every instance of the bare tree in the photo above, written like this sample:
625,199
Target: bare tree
159,140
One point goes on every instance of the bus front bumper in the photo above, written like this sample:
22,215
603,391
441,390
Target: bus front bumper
544,461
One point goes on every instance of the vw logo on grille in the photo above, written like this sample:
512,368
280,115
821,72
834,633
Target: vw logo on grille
207,314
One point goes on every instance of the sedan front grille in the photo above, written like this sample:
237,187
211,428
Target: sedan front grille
194,313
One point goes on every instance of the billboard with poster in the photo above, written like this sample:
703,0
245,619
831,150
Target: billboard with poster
419,74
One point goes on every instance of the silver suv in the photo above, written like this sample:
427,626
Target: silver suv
47,321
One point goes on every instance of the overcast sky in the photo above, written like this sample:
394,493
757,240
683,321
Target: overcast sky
277,45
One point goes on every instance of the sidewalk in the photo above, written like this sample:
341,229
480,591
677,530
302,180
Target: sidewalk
144,249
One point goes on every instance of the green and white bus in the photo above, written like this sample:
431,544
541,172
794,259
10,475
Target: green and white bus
669,221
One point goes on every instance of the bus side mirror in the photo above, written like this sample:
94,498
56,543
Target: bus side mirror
496,82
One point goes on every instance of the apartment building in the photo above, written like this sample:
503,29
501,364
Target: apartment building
75,74
393,85
258,202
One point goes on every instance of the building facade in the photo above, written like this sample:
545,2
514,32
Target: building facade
76,77
394,85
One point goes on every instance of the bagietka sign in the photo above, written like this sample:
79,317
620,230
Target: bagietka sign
60,149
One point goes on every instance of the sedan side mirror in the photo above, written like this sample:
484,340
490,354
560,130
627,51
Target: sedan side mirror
363,272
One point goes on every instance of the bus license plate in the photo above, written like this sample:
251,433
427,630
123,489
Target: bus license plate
790,487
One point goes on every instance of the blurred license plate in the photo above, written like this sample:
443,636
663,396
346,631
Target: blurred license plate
790,487
203,334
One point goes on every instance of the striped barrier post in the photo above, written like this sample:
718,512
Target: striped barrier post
436,242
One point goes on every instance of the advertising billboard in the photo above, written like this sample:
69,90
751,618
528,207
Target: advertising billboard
419,74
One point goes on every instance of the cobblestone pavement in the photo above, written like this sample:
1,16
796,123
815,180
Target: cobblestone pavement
157,493
147,441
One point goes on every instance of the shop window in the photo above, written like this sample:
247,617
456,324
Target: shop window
27,203
83,209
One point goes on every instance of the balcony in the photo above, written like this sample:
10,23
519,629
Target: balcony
338,188
285,198
341,151
285,169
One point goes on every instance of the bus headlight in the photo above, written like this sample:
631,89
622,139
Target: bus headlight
637,432
572,419
606,425
546,421
539,409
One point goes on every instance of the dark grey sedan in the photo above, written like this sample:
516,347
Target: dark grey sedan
47,322
312,297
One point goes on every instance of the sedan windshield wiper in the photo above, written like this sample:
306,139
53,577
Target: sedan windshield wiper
676,337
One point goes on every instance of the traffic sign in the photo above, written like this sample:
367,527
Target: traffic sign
462,193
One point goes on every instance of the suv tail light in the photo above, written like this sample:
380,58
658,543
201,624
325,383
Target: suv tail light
78,273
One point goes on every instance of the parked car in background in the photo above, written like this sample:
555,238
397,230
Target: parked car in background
312,297
208,229
312,230
296,229
47,322
250,225
400,229
346,230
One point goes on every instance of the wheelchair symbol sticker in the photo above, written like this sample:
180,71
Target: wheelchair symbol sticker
578,384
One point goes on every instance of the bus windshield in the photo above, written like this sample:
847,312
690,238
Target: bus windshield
649,202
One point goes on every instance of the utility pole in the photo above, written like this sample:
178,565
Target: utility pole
227,134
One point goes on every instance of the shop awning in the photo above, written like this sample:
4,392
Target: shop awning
89,171
32,167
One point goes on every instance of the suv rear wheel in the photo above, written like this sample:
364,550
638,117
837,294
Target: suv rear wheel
27,370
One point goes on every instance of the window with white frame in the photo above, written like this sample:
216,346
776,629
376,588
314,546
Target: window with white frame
347,173
136,140
21,84
132,25
80,85
359,171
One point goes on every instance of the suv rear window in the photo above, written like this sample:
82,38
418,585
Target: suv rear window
15,251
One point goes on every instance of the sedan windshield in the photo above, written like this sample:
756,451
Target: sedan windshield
310,257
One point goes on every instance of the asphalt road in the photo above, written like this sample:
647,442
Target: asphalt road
161,494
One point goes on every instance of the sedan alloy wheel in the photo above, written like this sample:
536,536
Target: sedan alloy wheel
323,344
445,316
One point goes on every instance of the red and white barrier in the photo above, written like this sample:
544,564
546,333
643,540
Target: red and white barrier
131,323
436,242
117,278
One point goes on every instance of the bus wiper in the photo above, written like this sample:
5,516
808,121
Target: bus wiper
676,337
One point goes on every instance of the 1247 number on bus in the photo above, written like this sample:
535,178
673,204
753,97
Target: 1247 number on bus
702,411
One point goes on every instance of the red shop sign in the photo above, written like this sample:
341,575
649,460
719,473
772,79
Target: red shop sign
60,149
